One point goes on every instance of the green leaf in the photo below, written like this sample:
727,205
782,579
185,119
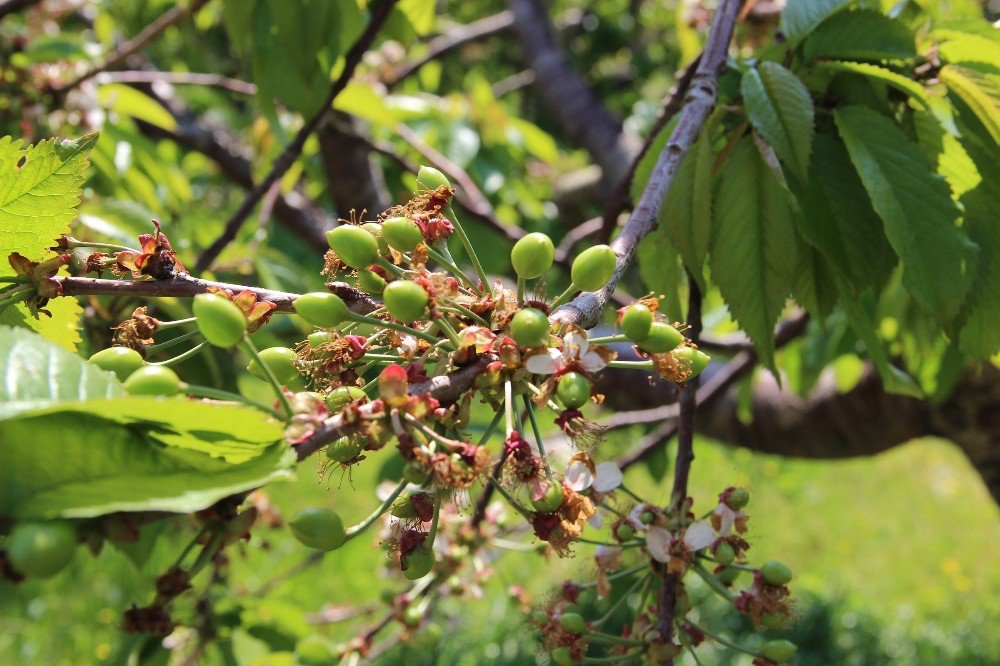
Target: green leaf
887,76
754,246
862,34
800,17
979,91
35,373
686,216
970,50
813,283
420,14
980,333
128,101
839,221
945,150
916,206
134,454
780,108
861,313
660,268
40,189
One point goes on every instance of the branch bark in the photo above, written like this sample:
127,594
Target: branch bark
355,180
587,121
585,310
379,14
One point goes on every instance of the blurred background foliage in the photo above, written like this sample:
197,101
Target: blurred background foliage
895,555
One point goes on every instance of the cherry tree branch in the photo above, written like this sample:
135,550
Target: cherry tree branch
11,6
178,78
379,13
147,35
585,310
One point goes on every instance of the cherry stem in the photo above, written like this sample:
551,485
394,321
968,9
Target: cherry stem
563,297
624,573
367,522
152,349
508,406
608,338
180,358
73,243
635,365
187,549
719,639
161,325
467,244
713,582
207,553
510,500
450,265
15,279
374,321
447,329
437,515
467,312
611,611
491,427
252,349
530,408
520,289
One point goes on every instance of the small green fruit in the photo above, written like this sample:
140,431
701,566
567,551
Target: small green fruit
154,380
727,575
724,553
321,308
406,300
530,328
402,234
661,338
120,360
593,267
551,500
343,449
636,320
624,532
574,623
418,562
281,361
563,657
778,651
370,282
573,390
532,255
219,320
41,550
776,573
694,360
353,245
320,338
342,395
738,498
318,528
431,178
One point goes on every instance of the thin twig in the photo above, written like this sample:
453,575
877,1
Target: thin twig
585,310
178,78
379,13
453,39
150,33
619,199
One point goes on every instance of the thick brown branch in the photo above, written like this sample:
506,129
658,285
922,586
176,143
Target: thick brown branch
587,121
585,310
151,32
379,13
355,180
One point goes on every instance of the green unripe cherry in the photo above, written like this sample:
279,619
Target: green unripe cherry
532,255
406,300
625,532
122,361
574,623
694,360
727,575
402,234
573,390
343,450
779,650
370,282
318,528
353,245
530,328
551,500
563,656
375,229
431,178
738,498
724,553
321,308
320,338
636,320
41,550
342,395
593,267
403,506
418,562
661,338
776,573
219,320
154,380
281,361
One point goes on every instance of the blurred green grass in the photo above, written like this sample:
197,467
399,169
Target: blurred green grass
888,552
